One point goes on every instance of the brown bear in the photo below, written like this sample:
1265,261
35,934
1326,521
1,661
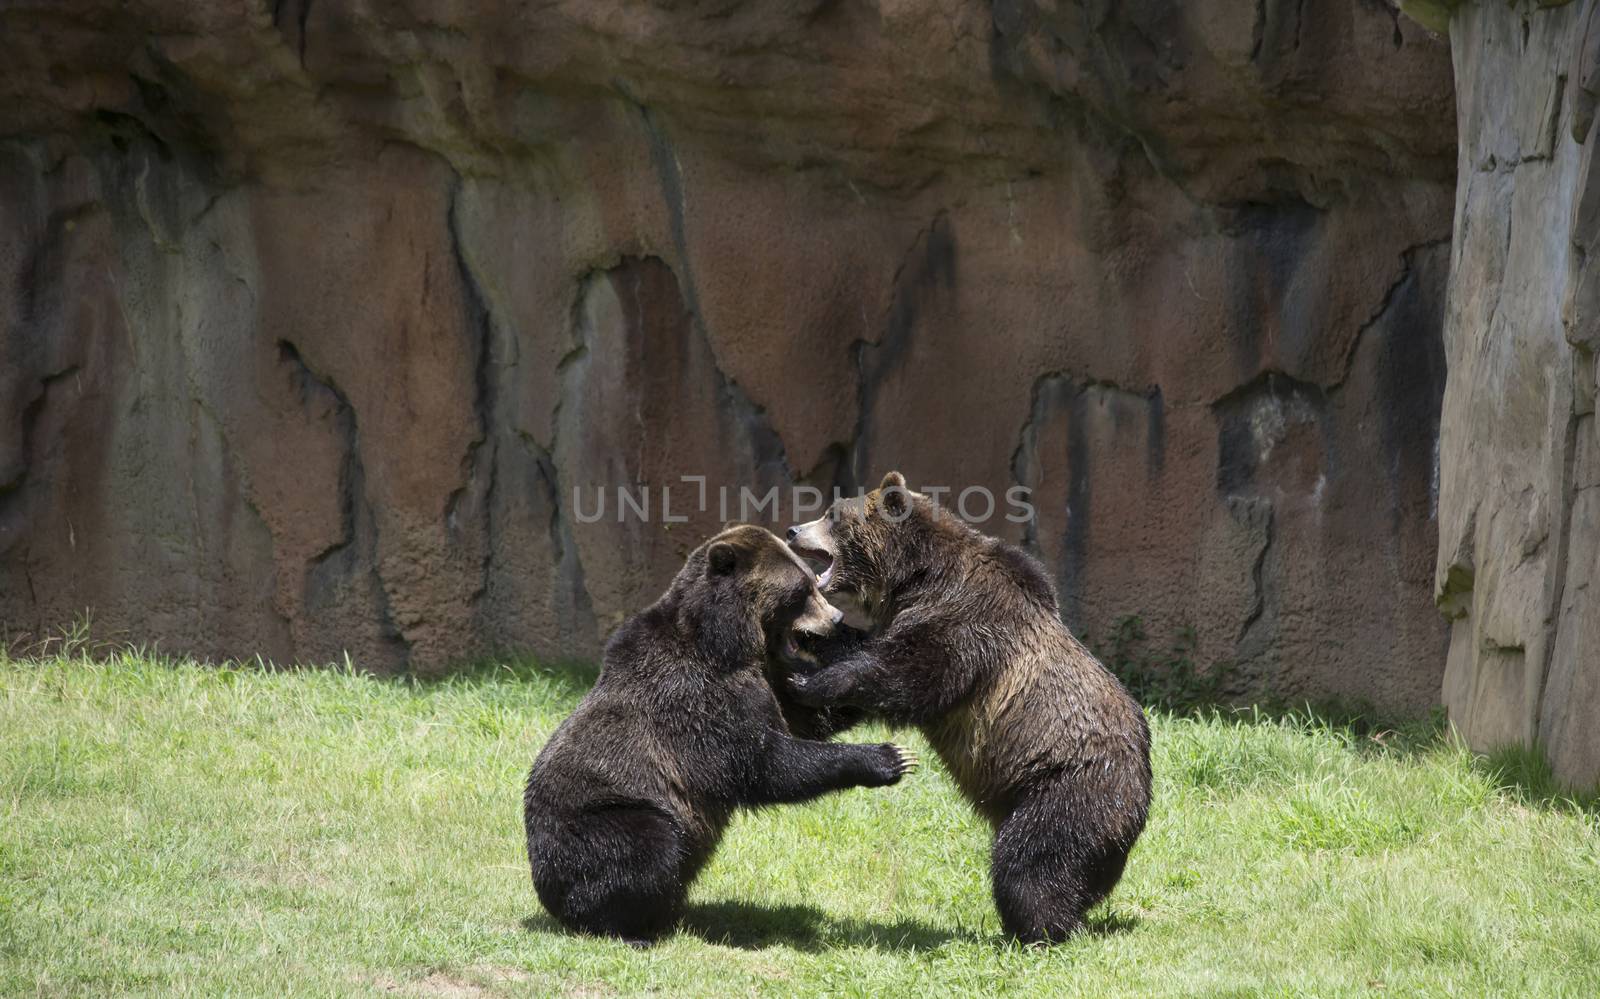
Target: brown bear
967,643
628,799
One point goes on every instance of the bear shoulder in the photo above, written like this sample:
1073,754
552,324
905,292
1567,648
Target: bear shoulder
1025,571
642,638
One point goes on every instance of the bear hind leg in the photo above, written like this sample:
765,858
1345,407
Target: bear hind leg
1049,869
1034,912
617,872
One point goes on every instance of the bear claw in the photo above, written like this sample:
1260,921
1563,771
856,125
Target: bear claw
905,759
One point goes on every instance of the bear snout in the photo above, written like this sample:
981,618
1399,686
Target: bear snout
819,618
814,547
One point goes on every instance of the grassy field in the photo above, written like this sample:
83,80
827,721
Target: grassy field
168,828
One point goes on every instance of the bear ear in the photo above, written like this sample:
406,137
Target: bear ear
893,494
721,559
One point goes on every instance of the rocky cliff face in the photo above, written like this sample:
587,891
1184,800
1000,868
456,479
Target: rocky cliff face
1519,507
318,312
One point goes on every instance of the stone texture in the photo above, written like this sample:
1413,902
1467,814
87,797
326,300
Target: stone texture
317,313
1518,517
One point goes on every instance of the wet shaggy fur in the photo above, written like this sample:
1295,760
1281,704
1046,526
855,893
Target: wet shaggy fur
967,643
629,798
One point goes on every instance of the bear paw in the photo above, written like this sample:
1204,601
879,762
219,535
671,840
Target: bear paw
820,688
897,762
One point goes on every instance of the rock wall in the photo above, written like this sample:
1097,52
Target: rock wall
1519,511
317,313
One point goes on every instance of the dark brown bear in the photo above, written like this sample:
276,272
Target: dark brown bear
630,796
967,643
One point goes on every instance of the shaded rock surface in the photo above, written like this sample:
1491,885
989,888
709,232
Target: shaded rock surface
1518,569
324,320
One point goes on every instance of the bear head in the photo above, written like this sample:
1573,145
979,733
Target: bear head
748,594
865,546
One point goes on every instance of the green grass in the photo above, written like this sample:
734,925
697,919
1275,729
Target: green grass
170,828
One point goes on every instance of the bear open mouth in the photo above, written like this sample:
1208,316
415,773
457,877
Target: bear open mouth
821,562
792,650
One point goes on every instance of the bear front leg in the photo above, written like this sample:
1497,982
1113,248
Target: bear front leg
906,678
816,723
833,686
795,770
811,722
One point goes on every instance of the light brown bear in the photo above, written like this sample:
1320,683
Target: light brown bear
966,642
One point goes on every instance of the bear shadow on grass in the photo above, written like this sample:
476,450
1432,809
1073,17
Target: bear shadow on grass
752,926
1109,923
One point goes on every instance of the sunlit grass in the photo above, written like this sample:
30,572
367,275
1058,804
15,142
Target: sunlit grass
168,828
